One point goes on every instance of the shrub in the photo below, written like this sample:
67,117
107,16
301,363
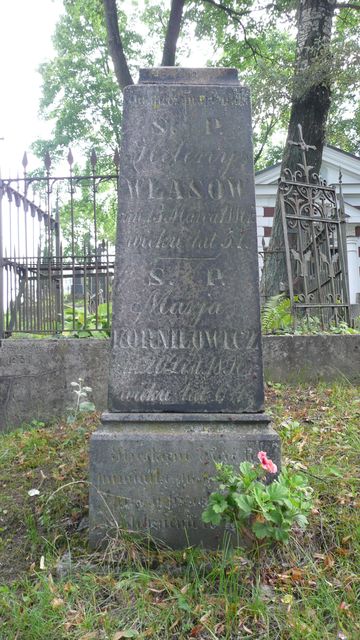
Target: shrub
256,509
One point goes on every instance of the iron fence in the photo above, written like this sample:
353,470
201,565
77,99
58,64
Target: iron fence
56,258
315,244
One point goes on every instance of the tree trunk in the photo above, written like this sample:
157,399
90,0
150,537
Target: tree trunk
172,33
310,107
116,49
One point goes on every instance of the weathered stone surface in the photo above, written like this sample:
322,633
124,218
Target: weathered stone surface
150,473
186,327
35,375
312,359
179,75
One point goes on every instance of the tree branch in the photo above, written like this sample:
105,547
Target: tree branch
269,128
236,15
116,49
347,5
228,10
172,33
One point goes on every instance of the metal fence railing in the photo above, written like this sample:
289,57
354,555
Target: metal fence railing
56,252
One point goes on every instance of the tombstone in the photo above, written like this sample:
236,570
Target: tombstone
77,287
186,380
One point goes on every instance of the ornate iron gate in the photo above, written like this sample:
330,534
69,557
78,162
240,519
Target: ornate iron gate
315,244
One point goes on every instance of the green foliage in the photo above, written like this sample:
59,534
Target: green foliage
307,589
276,315
89,325
81,95
79,91
82,402
265,512
77,221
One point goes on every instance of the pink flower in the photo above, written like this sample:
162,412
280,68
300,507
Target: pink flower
266,463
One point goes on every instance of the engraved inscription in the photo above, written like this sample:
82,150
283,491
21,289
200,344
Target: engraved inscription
233,97
174,364
179,189
186,240
166,305
150,456
183,154
147,394
215,277
179,213
189,339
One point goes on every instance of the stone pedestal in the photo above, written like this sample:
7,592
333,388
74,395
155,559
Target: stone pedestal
151,473
186,378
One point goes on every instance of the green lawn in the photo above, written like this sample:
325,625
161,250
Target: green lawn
309,589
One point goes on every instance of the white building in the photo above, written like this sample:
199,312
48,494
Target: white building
334,160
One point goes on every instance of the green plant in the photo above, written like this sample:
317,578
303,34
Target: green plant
82,403
276,315
343,328
258,510
89,325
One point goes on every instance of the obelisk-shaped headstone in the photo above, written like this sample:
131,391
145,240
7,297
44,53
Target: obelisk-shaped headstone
186,385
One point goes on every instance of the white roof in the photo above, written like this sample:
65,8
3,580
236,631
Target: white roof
333,160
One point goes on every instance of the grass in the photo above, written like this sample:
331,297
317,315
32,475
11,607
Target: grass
307,590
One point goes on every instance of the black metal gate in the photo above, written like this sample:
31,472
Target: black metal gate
56,262
315,245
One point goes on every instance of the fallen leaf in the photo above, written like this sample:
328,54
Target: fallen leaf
219,628
196,630
329,561
93,635
205,617
57,602
51,583
296,574
175,624
247,630
185,588
127,633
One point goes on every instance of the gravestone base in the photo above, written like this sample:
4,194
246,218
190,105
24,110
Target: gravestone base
151,473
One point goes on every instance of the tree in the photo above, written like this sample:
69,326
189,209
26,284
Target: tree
81,92
78,84
289,84
311,100
115,43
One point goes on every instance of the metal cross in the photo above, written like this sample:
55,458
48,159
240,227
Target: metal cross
304,148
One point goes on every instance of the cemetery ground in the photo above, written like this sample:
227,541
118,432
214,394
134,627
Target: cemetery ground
51,587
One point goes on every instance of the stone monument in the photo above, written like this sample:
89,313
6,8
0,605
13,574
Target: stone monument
186,381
